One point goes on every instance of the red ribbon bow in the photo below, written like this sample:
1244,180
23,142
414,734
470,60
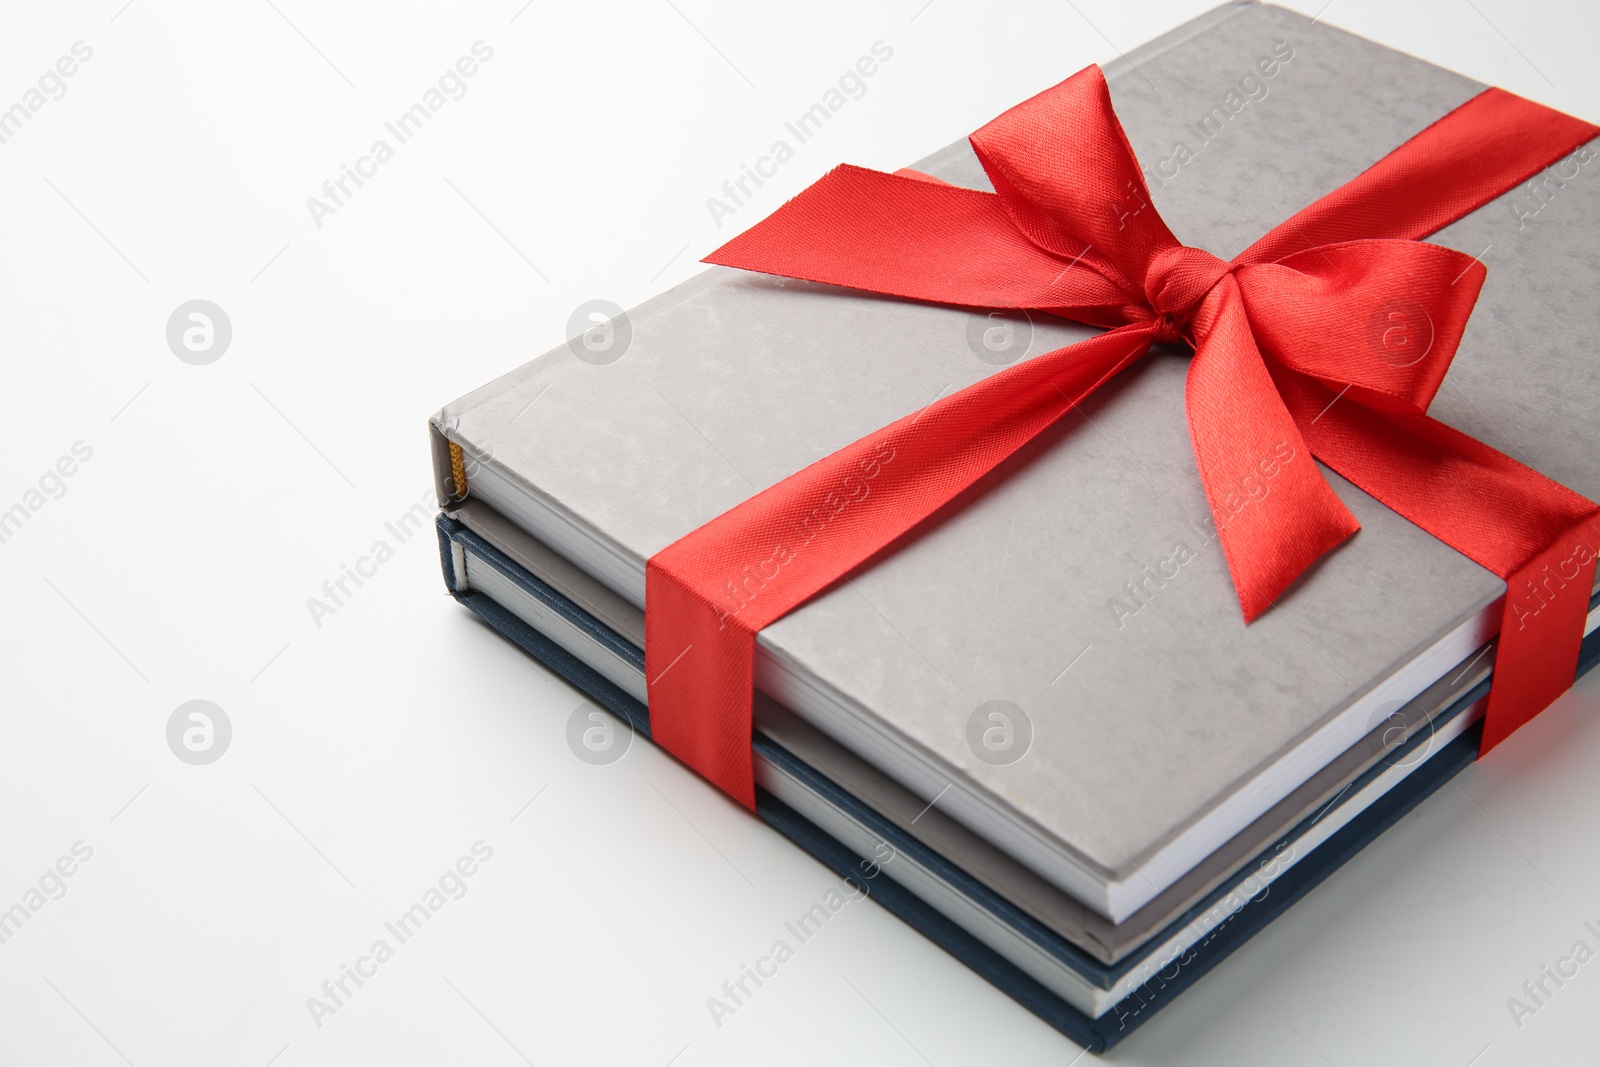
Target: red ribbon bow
1292,348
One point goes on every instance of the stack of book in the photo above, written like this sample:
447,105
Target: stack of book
1040,724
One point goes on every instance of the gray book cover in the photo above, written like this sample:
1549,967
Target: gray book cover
1151,704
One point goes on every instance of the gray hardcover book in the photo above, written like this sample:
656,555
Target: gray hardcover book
1080,584
1407,738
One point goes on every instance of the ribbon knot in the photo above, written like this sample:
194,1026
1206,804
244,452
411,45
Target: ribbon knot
1328,337
1177,280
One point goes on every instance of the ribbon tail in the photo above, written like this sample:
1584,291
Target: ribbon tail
921,239
710,592
1275,513
1541,537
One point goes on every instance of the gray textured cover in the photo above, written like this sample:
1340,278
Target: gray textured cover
733,381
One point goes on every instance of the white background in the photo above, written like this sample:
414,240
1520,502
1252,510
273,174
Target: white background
372,751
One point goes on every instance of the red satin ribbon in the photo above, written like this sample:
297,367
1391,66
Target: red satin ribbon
1300,343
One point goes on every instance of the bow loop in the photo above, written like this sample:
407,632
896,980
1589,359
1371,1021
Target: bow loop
1088,206
1381,318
